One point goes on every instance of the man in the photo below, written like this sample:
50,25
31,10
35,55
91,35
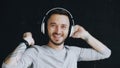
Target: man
55,54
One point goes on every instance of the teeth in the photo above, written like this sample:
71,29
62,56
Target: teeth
57,35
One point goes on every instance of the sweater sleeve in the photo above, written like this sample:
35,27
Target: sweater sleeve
20,58
89,54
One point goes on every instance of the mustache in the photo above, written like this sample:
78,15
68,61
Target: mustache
57,34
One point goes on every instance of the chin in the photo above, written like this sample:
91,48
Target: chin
57,43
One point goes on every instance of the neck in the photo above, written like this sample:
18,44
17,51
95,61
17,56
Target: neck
56,47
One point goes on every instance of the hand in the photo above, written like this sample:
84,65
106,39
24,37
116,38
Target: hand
80,32
28,37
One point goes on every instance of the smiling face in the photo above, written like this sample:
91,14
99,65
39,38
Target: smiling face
58,27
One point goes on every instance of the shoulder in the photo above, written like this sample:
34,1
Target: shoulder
34,48
73,48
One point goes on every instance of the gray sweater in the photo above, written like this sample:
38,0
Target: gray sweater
46,57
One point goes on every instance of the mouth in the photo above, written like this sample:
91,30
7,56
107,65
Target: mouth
57,36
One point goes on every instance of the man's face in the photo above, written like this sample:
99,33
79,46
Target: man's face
58,27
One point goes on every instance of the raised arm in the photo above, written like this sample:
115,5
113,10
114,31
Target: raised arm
80,32
14,59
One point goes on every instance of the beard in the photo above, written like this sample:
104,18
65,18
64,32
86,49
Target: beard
56,43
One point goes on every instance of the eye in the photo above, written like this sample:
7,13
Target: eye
52,24
63,26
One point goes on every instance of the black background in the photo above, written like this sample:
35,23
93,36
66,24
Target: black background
100,17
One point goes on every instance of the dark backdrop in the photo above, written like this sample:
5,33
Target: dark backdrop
100,17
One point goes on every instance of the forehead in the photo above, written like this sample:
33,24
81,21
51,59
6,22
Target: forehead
59,19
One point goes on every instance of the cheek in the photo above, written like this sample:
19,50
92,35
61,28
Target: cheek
66,32
50,31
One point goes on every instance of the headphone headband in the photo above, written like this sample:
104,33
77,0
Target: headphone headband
57,8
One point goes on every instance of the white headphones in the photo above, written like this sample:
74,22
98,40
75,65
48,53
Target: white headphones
58,8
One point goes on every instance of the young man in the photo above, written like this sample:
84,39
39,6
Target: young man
55,54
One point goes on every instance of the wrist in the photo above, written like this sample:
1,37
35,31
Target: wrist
86,37
25,42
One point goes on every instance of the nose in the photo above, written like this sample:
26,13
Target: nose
58,29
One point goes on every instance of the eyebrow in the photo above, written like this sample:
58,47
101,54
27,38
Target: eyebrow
52,23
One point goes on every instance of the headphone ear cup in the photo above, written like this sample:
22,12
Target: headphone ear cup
43,28
72,31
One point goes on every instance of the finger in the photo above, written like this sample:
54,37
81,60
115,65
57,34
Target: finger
76,27
33,43
76,34
27,34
